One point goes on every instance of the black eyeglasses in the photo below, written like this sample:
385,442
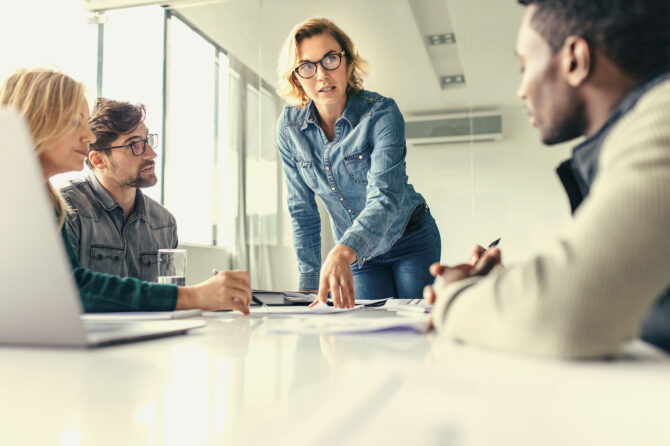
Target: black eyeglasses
330,62
137,147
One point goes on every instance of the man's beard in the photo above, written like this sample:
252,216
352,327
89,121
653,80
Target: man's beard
146,181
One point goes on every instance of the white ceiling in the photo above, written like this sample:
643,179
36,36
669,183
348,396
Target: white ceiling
387,34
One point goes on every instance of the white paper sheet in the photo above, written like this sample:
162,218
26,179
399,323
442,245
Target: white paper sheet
329,325
319,309
408,305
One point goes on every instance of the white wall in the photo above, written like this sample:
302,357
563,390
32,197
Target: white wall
517,195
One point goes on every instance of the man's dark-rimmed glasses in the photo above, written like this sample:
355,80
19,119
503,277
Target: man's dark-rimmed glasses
136,147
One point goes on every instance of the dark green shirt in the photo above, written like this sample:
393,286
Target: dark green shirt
100,292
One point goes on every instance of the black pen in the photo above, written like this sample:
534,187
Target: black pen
491,245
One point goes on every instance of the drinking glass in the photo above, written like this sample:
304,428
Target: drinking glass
172,266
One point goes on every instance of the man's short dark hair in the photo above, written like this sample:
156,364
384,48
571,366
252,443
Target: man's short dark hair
634,34
111,119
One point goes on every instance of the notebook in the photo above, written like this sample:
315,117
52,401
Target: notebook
283,297
39,302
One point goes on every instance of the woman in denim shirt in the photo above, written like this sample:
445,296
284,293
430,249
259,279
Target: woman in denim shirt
347,145
55,109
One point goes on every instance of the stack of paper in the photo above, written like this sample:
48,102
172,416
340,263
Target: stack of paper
408,305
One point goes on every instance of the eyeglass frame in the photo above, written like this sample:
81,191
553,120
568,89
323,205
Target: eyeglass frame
145,141
320,62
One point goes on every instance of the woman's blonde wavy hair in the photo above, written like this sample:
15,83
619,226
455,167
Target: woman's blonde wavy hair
289,88
49,102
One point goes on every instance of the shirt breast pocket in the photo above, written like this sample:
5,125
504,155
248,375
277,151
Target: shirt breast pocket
148,266
358,166
307,172
106,259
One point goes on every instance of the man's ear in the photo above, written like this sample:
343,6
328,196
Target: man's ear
97,159
576,60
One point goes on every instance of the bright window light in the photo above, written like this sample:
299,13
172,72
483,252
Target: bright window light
47,33
133,67
189,166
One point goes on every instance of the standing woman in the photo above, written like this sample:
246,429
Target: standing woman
55,109
347,145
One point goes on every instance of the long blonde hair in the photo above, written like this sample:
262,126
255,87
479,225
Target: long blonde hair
49,102
289,88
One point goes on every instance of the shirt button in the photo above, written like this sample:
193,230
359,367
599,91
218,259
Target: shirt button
341,198
327,167
350,210
360,157
332,188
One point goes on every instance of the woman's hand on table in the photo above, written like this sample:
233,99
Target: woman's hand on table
336,277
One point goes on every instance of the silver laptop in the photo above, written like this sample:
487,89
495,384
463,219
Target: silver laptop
39,302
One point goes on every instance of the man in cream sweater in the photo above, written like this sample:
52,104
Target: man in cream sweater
599,69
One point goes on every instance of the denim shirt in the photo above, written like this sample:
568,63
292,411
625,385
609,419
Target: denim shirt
105,241
360,175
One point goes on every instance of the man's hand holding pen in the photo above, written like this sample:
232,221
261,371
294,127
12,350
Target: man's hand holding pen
481,262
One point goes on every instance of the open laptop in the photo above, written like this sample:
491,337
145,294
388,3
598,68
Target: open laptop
39,301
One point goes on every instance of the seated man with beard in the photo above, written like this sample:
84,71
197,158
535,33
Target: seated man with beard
112,225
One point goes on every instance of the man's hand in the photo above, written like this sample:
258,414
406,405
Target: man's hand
337,278
481,262
227,290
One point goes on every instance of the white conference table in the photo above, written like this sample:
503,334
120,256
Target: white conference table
234,382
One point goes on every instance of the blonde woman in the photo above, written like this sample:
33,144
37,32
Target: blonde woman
55,108
347,145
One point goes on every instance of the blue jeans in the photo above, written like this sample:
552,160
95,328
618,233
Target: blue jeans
402,272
